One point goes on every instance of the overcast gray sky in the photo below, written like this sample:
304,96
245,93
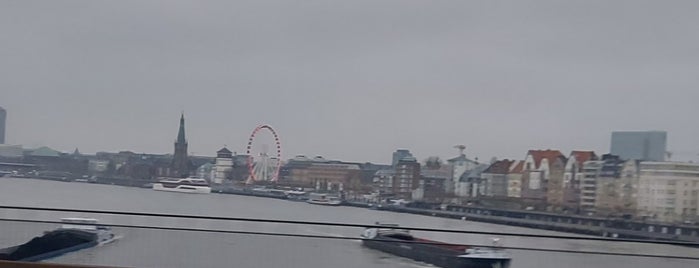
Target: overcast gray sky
350,80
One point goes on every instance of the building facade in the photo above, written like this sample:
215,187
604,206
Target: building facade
616,195
383,182
471,184
406,178
639,145
601,181
495,178
514,179
543,169
223,167
573,177
460,165
326,176
588,185
669,191
432,187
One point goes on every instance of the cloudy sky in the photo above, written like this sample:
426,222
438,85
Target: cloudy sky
350,80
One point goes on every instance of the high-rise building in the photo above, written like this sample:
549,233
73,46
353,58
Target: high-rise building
400,154
3,115
406,177
639,145
180,162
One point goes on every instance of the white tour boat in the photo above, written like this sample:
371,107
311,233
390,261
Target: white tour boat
185,185
323,199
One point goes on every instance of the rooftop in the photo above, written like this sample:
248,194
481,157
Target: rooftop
550,155
499,167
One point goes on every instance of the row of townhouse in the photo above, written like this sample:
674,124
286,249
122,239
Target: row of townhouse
588,184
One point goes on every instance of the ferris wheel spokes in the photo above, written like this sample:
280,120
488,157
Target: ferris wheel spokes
263,167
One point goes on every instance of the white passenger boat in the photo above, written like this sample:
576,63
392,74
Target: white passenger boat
323,199
186,185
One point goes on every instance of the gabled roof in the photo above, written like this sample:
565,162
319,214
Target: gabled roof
550,155
517,166
224,150
460,158
583,156
474,173
499,167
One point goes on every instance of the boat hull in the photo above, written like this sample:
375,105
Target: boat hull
324,203
432,254
56,253
49,245
182,189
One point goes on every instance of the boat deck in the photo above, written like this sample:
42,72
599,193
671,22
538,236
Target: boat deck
452,247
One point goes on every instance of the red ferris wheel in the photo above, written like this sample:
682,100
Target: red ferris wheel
264,165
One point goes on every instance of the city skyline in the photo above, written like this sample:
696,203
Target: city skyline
419,158
352,83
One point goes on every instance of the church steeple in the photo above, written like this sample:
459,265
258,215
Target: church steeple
180,135
180,162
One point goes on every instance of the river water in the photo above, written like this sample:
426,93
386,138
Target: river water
167,248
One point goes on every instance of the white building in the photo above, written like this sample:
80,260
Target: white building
588,185
460,165
668,191
514,179
224,165
470,185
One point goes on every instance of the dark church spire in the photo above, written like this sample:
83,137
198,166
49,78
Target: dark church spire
180,162
180,135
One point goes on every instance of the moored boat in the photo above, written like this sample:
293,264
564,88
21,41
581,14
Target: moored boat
391,239
295,195
323,199
184,185
75,234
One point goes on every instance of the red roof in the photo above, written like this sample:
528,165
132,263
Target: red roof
583,156
550,155
518,167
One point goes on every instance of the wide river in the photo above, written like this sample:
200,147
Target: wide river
166,248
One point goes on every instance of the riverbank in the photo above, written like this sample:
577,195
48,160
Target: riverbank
604,227
613,228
